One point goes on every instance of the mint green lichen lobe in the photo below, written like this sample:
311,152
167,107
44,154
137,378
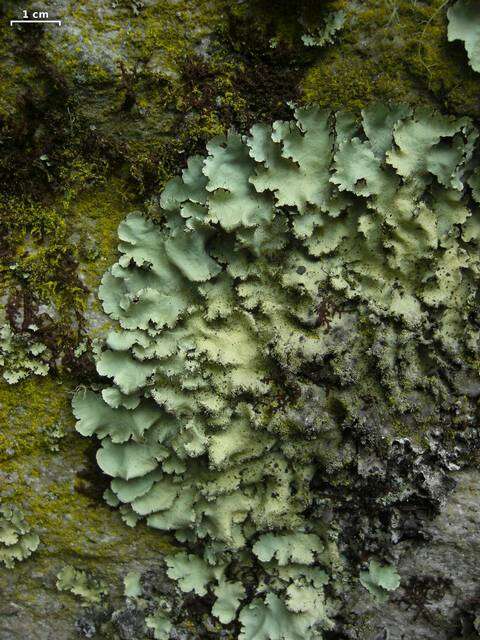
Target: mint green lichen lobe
17,541
464,24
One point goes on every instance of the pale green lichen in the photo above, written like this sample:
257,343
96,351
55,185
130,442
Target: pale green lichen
325,35
17,541
132,585
270,619
207,428
380,580
228,596
160,625
89,589
21,354
464,25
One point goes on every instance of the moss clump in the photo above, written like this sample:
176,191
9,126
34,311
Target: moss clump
28,413
95,214
58,489
394,51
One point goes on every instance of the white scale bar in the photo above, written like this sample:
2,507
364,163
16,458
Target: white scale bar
59,22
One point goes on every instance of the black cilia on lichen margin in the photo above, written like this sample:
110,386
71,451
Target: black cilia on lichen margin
311,294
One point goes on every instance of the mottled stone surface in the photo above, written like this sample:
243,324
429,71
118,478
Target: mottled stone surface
438,596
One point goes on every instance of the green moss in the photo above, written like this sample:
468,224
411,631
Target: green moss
60,497
28,411
39,269
95,215
337,83
394,51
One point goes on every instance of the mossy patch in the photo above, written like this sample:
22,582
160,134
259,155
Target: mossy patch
28,412
394,51
57,490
